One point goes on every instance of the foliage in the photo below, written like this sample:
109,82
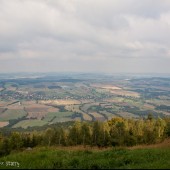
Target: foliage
115,132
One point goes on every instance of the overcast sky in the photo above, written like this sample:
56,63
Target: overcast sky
85,36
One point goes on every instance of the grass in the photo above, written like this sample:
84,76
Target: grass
86,106
96,115
49,117
76,108
54,158
12,114
115,108
29,123
62,119
127,115
58,116
108,114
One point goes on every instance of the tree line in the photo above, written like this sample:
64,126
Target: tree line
115,132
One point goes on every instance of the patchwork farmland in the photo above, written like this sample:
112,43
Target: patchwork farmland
45,101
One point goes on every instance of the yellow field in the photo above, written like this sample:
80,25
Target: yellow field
11,88
125,93
109,87
2,124
53,109
86,116
148,106
15,107
38,111
41,108
26,103
96,115
33,109
60,102
114,100
2,103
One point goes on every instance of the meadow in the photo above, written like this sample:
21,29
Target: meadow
29,123
12,114
72,158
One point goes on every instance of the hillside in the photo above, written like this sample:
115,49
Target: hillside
67,158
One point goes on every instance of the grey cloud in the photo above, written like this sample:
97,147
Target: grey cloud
107,35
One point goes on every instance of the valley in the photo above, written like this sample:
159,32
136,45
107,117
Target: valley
49,99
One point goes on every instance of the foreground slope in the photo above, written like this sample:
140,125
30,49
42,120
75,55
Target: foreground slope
66,158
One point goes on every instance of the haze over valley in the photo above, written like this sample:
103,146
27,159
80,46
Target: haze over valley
29,100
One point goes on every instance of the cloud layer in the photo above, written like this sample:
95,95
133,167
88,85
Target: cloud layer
92,35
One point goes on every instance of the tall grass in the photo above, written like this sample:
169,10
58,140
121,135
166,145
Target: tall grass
46,158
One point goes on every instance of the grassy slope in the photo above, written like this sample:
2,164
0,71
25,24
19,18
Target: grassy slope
29,123
90,159
63,116
12,114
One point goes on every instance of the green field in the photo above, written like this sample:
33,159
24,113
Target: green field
58,117
109,115
29,123
62,119
53,158
12,114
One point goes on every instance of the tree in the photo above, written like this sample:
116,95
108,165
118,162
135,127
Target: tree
35,140
98,134
149,132
74,136
117,130
16,141
106,135
160,128
5,148
167,128
85,134
49,134
150,116
60,137
26,140
138,129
